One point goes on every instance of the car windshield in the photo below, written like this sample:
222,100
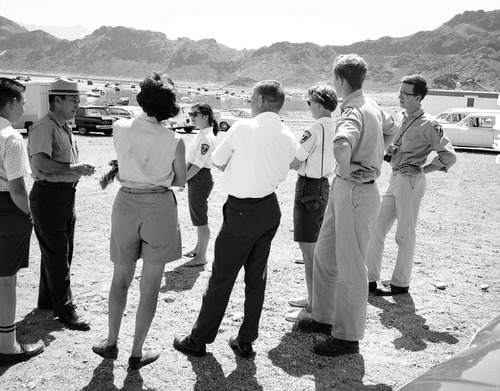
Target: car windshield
96,111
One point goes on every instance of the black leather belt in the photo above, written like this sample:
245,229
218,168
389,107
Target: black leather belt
152,190
57,185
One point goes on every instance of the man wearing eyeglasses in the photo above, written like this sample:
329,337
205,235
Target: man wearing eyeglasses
340,282
418,136
255,157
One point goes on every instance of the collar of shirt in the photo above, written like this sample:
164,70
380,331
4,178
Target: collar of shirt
50,114
268,114
415,114
4,123
204,131
351,96
147,118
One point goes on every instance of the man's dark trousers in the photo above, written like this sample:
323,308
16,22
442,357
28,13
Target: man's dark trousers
53,211
244,240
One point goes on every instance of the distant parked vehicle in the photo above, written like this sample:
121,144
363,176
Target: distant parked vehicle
90,82
182,120
124,111
93,119
478,130
225,119
452,116
241,113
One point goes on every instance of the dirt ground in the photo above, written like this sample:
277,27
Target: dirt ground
457,244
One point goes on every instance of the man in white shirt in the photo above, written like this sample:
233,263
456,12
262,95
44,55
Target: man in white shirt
255,157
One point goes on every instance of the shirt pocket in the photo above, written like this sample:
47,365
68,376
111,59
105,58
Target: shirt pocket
62,151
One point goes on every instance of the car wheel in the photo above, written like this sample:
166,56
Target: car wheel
224,126
82,130
108,132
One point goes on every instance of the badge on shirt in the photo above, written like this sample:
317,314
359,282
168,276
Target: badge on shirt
204,148
346,111
306,136
438,129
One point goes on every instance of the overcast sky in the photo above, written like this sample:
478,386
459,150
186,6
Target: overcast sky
251,24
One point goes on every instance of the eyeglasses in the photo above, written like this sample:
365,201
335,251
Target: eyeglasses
194,114
405,94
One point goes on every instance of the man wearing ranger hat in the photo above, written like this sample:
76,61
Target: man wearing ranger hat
53,156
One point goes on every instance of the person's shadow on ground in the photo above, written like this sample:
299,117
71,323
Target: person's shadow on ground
293,355
210,376
401,315
181,278
103,379
35,326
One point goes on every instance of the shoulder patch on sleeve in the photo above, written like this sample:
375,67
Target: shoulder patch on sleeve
438,129
306,136
346,111
204,148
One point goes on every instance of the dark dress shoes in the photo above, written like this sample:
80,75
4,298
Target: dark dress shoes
333,347
309,325
135,363
106,351
242,349
187,345
74,321
27,351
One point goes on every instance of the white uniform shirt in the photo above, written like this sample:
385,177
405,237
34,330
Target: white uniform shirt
316,145
201,148
257,153
13,156
145,150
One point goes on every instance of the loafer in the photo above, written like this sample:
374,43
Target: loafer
242,349
187,345
392,291
135,363
106,351
295,316
333,347
300,302
372,286
74,321
309,325
27,351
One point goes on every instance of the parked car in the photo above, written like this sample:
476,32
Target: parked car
241,113
124,111
477,130
93,119
225,119
452,116
477,368
182,120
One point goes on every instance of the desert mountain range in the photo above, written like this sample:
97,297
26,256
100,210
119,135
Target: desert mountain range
466,49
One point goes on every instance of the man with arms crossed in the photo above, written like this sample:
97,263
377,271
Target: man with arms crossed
255,157
340,282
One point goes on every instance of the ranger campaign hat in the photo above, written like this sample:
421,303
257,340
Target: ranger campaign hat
64,86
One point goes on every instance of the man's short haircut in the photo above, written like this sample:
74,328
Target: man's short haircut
352,68
10,89
419,84
324,95
52,98
157,97
272,91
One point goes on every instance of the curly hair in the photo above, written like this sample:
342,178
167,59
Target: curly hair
157,97
324,95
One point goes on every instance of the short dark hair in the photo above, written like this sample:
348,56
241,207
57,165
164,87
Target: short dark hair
324,95
205,109
10,89
272,91
352,68
157,97
419,84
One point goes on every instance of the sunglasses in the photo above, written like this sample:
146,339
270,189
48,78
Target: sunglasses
308,102
194,114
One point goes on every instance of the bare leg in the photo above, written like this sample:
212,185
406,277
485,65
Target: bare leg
308,255
122,278
201,247
149,289
8,343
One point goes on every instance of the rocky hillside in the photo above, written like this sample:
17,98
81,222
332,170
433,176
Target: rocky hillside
466,49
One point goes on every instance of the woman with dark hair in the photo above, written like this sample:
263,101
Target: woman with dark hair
199,177
144,220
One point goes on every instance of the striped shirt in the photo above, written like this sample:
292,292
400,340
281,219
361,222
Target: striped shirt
13,157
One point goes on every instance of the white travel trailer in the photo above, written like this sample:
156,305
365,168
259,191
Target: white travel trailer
37,103
438,101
